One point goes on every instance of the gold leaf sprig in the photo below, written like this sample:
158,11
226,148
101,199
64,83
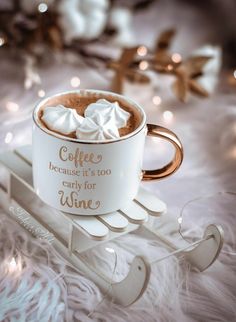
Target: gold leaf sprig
186,72
124,69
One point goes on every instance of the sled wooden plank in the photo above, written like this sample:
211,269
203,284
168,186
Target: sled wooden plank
17,167
90,225
134,213
114,221
203,255
150,202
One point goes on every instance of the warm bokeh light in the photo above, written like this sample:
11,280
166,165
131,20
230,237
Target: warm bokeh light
176,58
143,65
12,265
142,51
12,106
168,116
41,93
169,67
42,7
232,153
2,41
235,73
156,100
28,83
75,81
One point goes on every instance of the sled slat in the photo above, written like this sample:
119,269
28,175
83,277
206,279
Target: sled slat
90,225
134,213
114,221
150,202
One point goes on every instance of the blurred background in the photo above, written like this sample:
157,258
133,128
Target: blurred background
56,45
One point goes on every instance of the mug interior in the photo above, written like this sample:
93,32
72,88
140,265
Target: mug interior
71,99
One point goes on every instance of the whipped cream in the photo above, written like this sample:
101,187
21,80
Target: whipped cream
109,112
97,128
62,119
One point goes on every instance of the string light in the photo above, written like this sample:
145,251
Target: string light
42,7
180,218
2,41
168,116
12,265
176,58
156,100
142,51
8,137
75,81
41,93
143,65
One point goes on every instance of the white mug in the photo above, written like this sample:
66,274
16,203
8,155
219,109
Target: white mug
93,178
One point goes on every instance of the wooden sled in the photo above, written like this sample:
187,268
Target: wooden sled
71,234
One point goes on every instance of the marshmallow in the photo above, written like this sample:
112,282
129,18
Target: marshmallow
61,119
109,112
97,128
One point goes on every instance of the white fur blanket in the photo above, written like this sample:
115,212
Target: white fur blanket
43,287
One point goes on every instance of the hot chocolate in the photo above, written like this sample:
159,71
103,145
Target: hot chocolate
65,110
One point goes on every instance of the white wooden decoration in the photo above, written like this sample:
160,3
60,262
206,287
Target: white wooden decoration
135,213
150,202
79,233
204,254
114,221
132,287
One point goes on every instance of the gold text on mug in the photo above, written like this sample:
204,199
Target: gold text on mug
79,157
72,201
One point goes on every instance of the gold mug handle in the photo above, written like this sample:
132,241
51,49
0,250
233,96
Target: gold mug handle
172,166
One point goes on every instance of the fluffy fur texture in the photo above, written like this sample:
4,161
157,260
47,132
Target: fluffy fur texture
41,277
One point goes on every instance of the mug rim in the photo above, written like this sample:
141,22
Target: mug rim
68,139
